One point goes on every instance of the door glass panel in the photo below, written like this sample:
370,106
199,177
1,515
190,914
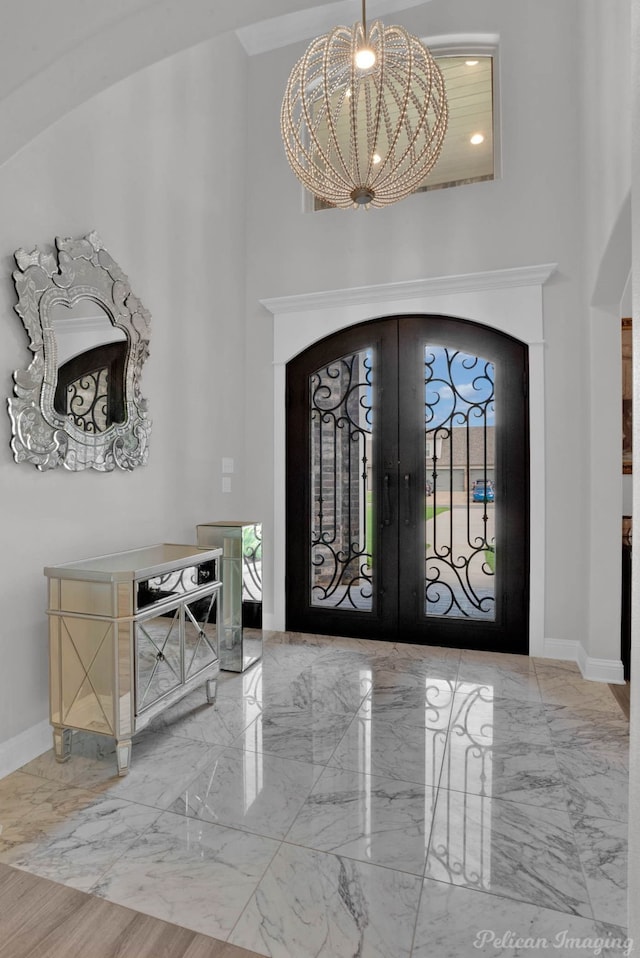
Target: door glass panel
341,482
460,489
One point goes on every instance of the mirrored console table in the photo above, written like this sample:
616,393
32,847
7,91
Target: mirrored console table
241,598
129,634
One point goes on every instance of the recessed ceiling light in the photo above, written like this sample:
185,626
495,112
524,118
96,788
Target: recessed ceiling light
471,63
477,138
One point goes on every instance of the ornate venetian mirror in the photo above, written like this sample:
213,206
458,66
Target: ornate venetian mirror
78,405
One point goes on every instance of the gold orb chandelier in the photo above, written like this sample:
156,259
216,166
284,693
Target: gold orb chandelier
364,115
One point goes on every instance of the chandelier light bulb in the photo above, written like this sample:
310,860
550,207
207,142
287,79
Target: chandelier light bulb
365,58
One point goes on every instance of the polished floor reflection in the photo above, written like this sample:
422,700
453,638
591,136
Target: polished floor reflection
348,797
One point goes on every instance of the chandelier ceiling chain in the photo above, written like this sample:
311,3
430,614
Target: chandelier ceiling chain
364,115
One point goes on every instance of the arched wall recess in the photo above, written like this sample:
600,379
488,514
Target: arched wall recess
79,405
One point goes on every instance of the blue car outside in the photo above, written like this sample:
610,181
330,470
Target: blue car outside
483,492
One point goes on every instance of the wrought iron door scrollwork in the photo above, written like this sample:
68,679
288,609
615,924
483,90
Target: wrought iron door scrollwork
341,423
459,413
87,401
252,563
461,851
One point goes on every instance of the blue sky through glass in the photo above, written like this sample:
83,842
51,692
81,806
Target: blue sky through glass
459,387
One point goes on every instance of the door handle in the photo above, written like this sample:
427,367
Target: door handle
386,506
407,491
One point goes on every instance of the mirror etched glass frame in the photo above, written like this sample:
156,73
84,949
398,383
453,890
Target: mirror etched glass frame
84,292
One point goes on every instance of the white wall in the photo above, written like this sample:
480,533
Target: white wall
606,166
156,166
79,49
606,157
533,214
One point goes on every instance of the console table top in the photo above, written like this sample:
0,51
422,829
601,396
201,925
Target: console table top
134,564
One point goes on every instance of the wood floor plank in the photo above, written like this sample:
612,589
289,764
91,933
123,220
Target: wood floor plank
41,919
29,913
622,695
99,928
198,949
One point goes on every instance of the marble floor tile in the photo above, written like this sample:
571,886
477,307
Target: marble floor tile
373,647
457,922
602,846
406,752
318,686
520,772
540,664
92,760
286,659
597,783
32,809
319,681
509,849
299,644
86,843
502,747
615,941
298,641
561,684
402,697
303,735
255,791
505,682
501,661
419,660
589,728
351,655
367,817
342,789
242,692
194,718
161,765
192,873
491,720
310,904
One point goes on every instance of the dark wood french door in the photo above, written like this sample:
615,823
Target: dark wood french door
407,485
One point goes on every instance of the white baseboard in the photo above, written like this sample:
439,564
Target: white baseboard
24,747
596,670
603,670
567,649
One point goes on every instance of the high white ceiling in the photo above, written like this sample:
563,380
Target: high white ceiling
54,56
280,31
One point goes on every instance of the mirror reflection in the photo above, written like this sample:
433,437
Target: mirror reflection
91,355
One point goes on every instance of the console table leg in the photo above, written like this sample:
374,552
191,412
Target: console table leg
123,756
212,689
62,743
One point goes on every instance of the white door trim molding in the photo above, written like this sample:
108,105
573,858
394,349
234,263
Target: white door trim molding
508,300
